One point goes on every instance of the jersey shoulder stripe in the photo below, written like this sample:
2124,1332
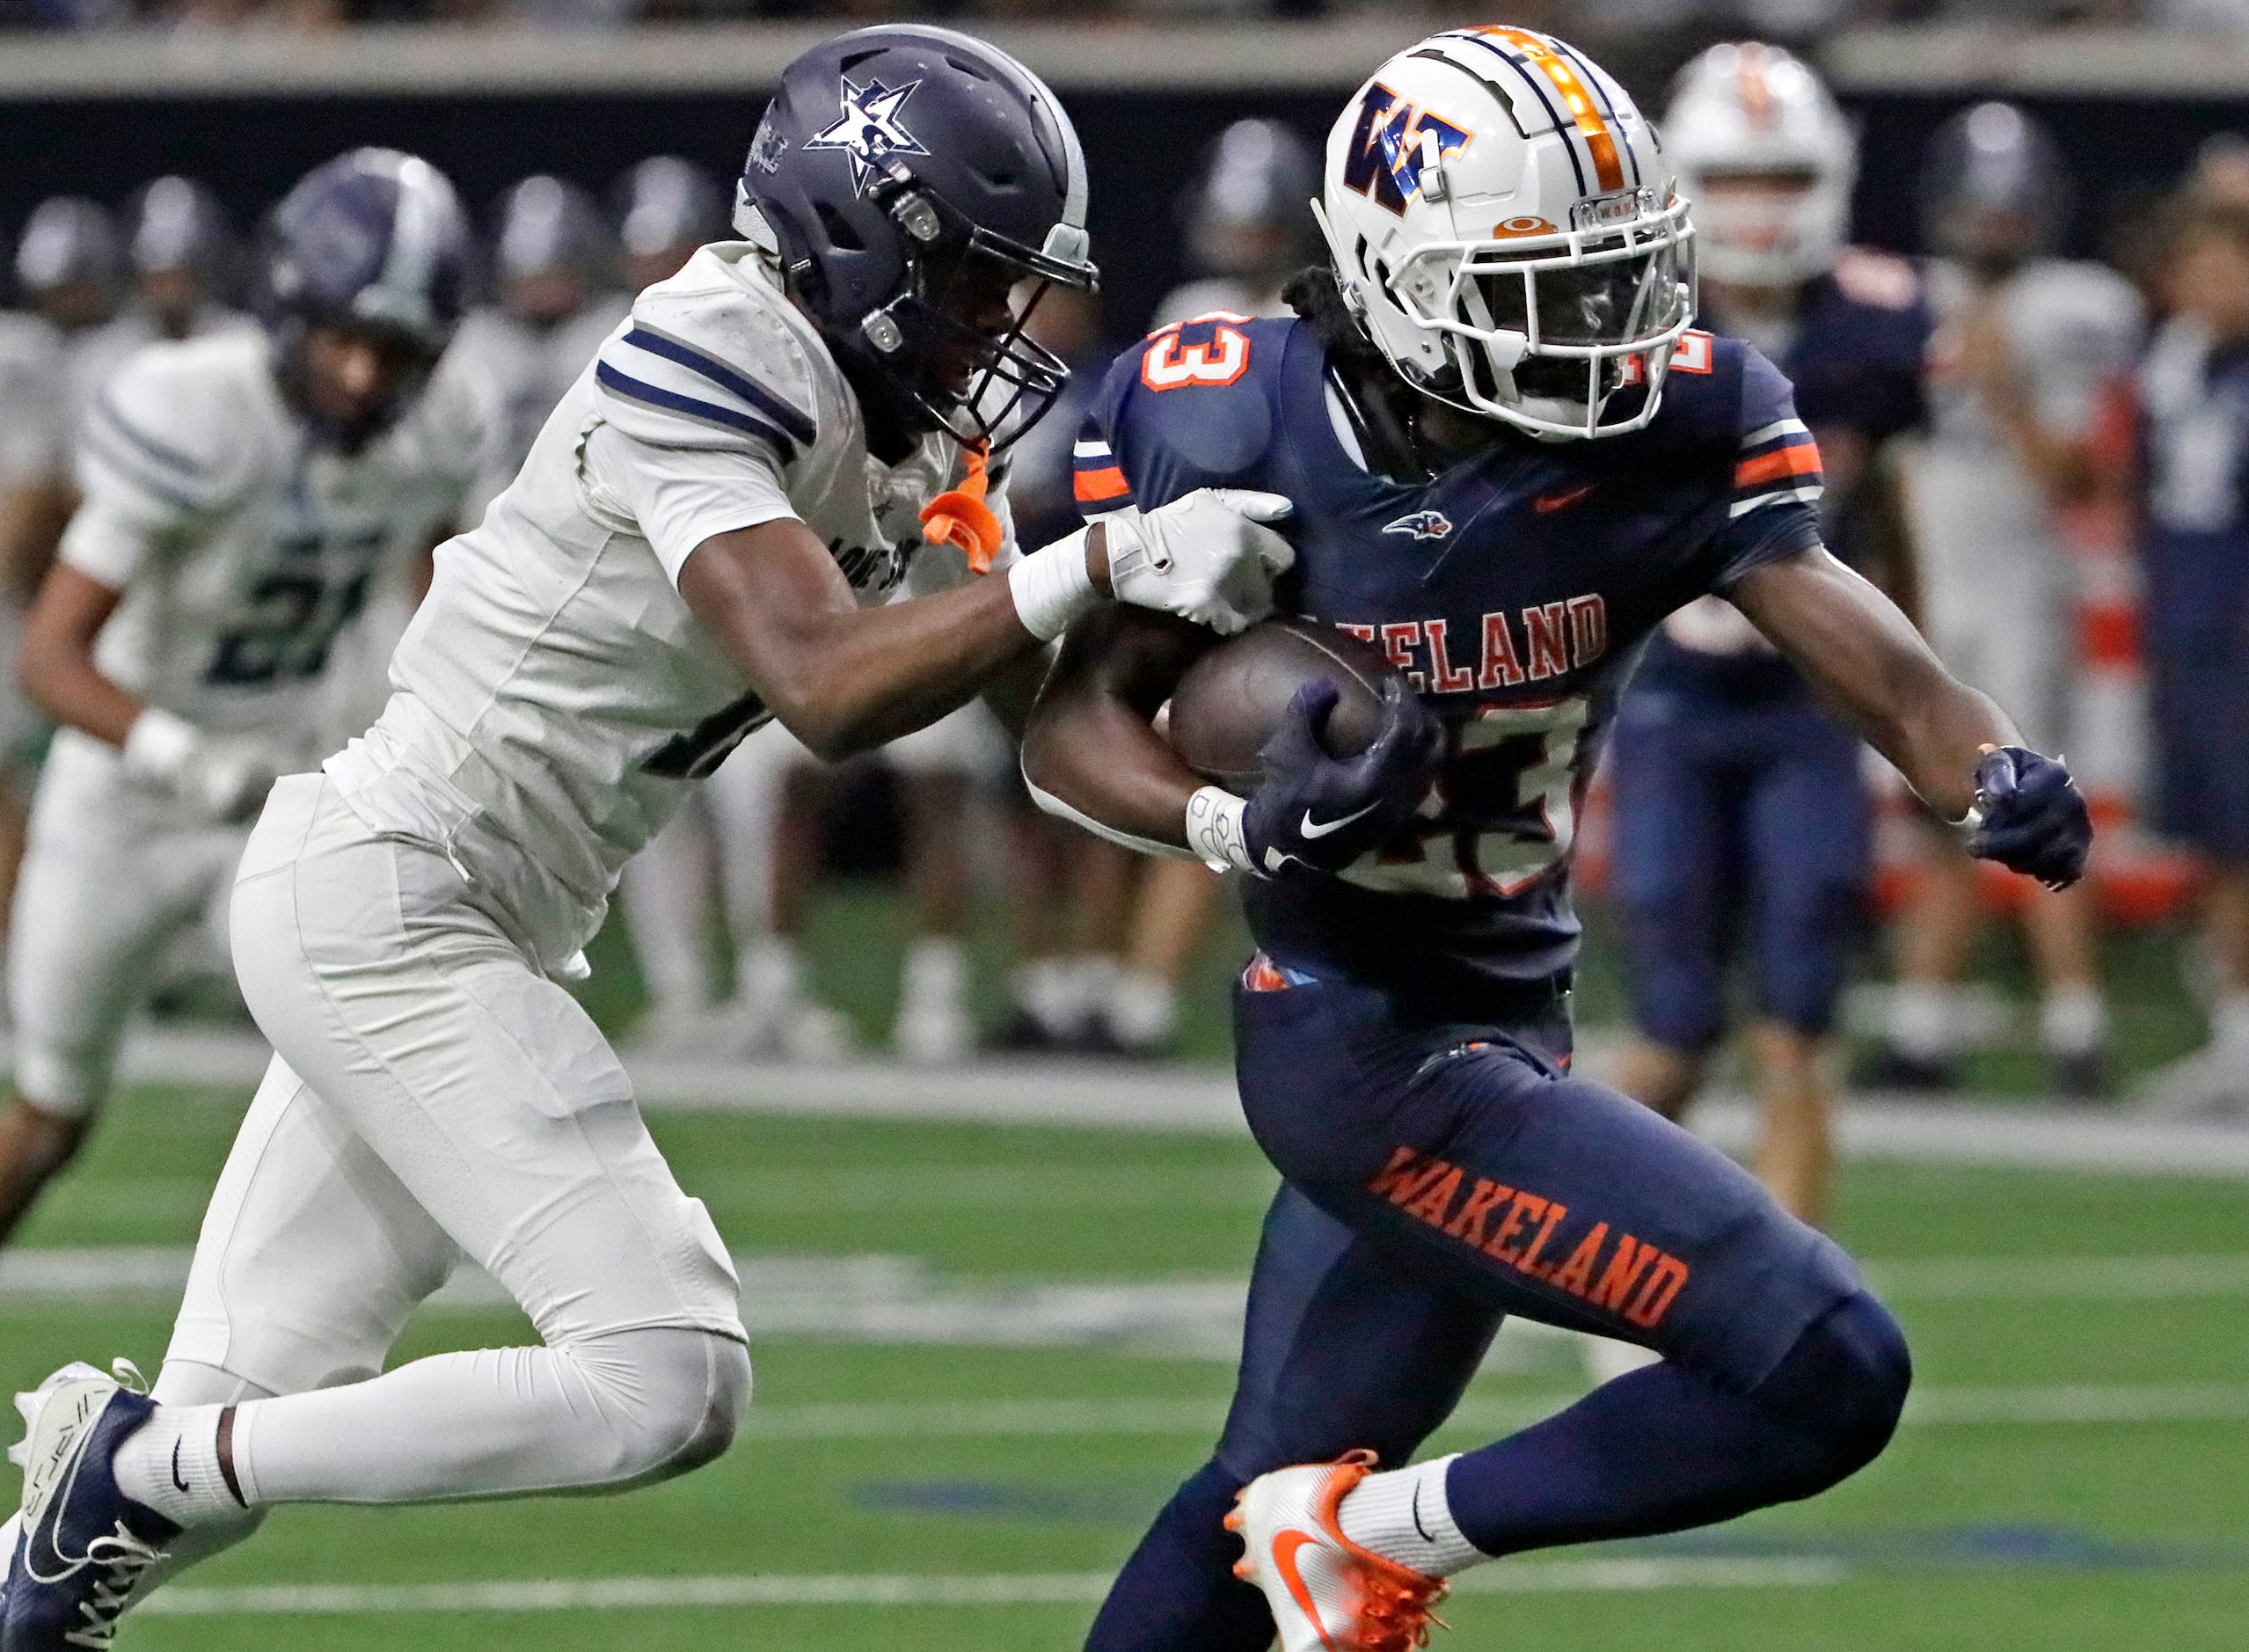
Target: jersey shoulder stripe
656,341
106,412
706,412
116,452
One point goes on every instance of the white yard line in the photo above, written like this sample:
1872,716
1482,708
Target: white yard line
1201,1099
999,1589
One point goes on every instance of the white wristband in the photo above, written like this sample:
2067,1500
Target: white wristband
159,747
1052,588
1215,831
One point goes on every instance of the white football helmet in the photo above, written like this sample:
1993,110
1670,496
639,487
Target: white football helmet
1753,109
1502,220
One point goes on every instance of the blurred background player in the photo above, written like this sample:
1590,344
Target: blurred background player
666,208
2025,345
2194,395
180,261
555,262
242,493
1741,815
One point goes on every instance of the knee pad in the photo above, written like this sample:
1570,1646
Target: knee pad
1844,1385
677,1397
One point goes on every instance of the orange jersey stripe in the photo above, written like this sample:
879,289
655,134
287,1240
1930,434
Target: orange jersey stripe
1577,97
1108,483
1803,459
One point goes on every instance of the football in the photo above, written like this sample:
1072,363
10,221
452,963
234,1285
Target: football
1231,699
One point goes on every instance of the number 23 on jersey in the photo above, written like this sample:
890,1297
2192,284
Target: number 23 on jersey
1183,353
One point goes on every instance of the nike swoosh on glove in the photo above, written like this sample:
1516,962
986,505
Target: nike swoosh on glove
2031,817
1321,813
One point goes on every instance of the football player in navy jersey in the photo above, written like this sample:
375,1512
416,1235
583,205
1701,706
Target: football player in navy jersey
1510,459
1740,814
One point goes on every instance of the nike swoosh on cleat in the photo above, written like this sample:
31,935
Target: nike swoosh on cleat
184,1486
1284,1561
1309,829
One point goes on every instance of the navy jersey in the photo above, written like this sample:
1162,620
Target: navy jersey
1861,337
1513,590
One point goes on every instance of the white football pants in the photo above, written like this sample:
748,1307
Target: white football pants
431,1096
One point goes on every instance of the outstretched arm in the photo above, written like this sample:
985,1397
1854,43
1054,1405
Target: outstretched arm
844,679
1953,746
1867,658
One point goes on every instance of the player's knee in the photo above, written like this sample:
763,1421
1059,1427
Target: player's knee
678,1396
1843,1388
702,1405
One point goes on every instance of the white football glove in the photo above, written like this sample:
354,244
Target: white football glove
214,778
1207,556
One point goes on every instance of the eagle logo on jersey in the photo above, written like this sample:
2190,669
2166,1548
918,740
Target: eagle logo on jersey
870,128
1423,524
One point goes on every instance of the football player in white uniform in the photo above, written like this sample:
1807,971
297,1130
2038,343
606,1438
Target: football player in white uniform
2025,343
241,494
703,538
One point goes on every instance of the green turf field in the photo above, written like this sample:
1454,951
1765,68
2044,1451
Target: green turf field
2076,1475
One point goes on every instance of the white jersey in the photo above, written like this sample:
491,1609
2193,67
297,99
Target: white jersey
96,354
2072,327
531,368
242,545
34,433
554,695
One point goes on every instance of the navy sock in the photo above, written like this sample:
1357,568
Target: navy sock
1178,1592
1661,1449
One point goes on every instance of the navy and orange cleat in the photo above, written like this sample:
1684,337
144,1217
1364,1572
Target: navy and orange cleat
1326,1592
84,1545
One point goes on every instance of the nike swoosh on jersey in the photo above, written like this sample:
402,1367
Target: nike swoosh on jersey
1545,504
1310,828
1284,1558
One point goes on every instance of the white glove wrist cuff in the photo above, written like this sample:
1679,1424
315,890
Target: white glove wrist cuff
159,746
1214,830
1052,588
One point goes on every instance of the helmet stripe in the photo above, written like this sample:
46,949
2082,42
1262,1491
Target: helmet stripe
1538,90
1600,143
1592,78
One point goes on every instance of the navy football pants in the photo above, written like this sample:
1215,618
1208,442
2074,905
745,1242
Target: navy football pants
1442,1174
1736,824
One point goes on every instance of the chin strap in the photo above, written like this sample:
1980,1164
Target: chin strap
959,517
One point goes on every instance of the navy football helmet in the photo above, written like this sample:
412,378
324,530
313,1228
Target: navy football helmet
909,179
548,227
666,207
68,262
1994,189
375,243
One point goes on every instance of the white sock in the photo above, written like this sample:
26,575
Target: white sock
1924,1019
2073,1021
171,1465
935,978
1092,984
767,975
1403,1516
1046,993
2230,1023
1143,1010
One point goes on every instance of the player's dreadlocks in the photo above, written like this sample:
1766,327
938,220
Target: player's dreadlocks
1381,404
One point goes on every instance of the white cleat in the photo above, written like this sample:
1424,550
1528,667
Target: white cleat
2209,1087
1327,1594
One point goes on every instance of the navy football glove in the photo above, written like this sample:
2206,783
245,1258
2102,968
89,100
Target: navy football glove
2032,818
1321,814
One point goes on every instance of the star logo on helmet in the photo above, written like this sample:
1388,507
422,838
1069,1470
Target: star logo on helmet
870,128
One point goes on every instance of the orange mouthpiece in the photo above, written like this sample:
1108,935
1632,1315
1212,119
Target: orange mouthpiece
959,517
